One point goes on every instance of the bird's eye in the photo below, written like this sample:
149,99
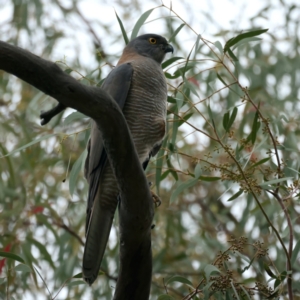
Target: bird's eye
152,41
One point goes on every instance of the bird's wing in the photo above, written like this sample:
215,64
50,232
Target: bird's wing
99,219
116,84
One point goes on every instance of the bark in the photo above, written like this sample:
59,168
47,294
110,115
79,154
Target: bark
136,209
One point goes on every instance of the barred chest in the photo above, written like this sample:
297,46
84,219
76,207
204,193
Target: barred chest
146,105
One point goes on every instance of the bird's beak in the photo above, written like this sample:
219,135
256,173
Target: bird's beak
169,48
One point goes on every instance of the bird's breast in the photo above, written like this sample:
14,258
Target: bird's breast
145,108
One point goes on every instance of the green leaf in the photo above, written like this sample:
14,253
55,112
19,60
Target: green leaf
269,271
231,54
183,186
165,297
275,181
198,171
247,40
208,178
179,72
172,38
185,118
209,269
221,79
232,117
79,275
179,279
12,256
140,23
255,127
262,161
23,268
211,116
45,137
164,175
242,36
175,127
75,283
43,250
240,192
170,61
171,167
295,253
235,291
159,163
226,121
74,116
125,37
75,171
245,291
219,46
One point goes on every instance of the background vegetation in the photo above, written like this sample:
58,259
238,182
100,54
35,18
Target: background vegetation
228,172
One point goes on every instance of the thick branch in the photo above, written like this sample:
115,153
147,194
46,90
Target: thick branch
136,208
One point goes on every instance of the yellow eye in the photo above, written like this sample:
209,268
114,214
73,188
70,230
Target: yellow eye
152,41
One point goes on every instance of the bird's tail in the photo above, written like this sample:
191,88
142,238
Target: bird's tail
96,240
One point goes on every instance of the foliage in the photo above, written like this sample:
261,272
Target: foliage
227,172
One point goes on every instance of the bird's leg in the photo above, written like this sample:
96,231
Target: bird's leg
156,199
49,114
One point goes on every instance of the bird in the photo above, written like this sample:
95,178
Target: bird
138,85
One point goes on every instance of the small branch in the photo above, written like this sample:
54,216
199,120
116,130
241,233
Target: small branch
68,229
291,241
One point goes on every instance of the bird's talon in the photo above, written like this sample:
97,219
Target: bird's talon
156,200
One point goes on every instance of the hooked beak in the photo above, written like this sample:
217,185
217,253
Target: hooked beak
168,48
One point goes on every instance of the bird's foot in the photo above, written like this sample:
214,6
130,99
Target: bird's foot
156,199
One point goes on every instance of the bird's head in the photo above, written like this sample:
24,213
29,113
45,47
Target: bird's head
151,45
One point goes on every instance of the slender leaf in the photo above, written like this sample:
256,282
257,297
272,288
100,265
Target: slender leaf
211,116
240,192
245,41
171,169
179,279
125,37
42,249
209,269
242,36
275,181
262,161
209,178
12,256
181,187
232,117
255,127
295,253
269,271
165,297
170,61
226,121
184,119
75,283
219,46
221,79
235,291
231,54
76,115
159,164
23,268
172,38
140,23
45,137
75,171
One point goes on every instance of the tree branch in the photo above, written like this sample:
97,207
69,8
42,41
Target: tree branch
136,207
